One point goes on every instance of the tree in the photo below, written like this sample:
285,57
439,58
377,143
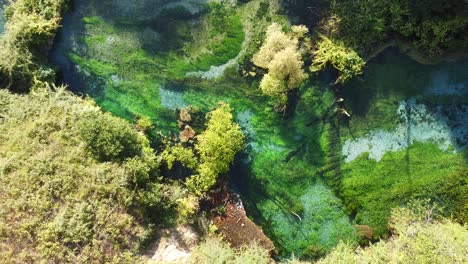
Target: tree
335,53
433,27
281,56
217,147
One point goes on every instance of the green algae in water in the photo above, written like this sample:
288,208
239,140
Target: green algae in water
125,72
371,189
373,183
392,77
293,197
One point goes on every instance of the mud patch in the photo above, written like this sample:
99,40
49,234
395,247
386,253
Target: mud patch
234,224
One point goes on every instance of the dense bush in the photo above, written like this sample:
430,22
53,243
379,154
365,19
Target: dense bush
109,138
281,56
418,238
434,27
61,204
345,60
29,30
214,251
217,147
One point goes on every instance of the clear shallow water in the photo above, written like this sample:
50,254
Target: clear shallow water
2,17
292,177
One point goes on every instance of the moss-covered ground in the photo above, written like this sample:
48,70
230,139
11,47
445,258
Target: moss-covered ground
292,176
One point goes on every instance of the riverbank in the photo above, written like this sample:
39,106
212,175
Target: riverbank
416,55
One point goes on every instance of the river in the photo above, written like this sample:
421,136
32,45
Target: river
307,180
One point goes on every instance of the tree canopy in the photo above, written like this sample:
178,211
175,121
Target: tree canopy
281,56
345,60
433,27
217,147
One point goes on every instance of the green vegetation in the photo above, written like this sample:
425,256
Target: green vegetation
346,61
420,236
29,29
217,147
60,202
420,170
281,56
217,41
433,27
109,138
80,185
215,251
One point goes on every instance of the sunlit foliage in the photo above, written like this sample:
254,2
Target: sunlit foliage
281,56
30,26
433,27
217,147
215,251
345,60
59,202
419,237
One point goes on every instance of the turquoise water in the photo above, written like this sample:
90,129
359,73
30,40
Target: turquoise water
2,17
294,177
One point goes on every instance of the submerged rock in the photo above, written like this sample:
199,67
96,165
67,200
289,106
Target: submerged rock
186,134
171,99
446,126
234,224
364,231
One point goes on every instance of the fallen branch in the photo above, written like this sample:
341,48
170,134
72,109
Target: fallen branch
300,219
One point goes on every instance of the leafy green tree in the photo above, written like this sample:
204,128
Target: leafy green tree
180,154
433,27
217,147
109,138
345,60
281,56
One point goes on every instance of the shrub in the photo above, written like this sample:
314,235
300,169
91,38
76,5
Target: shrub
109,138
280,55
58,203
29,29
213,250
345,60
418,238
217,147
